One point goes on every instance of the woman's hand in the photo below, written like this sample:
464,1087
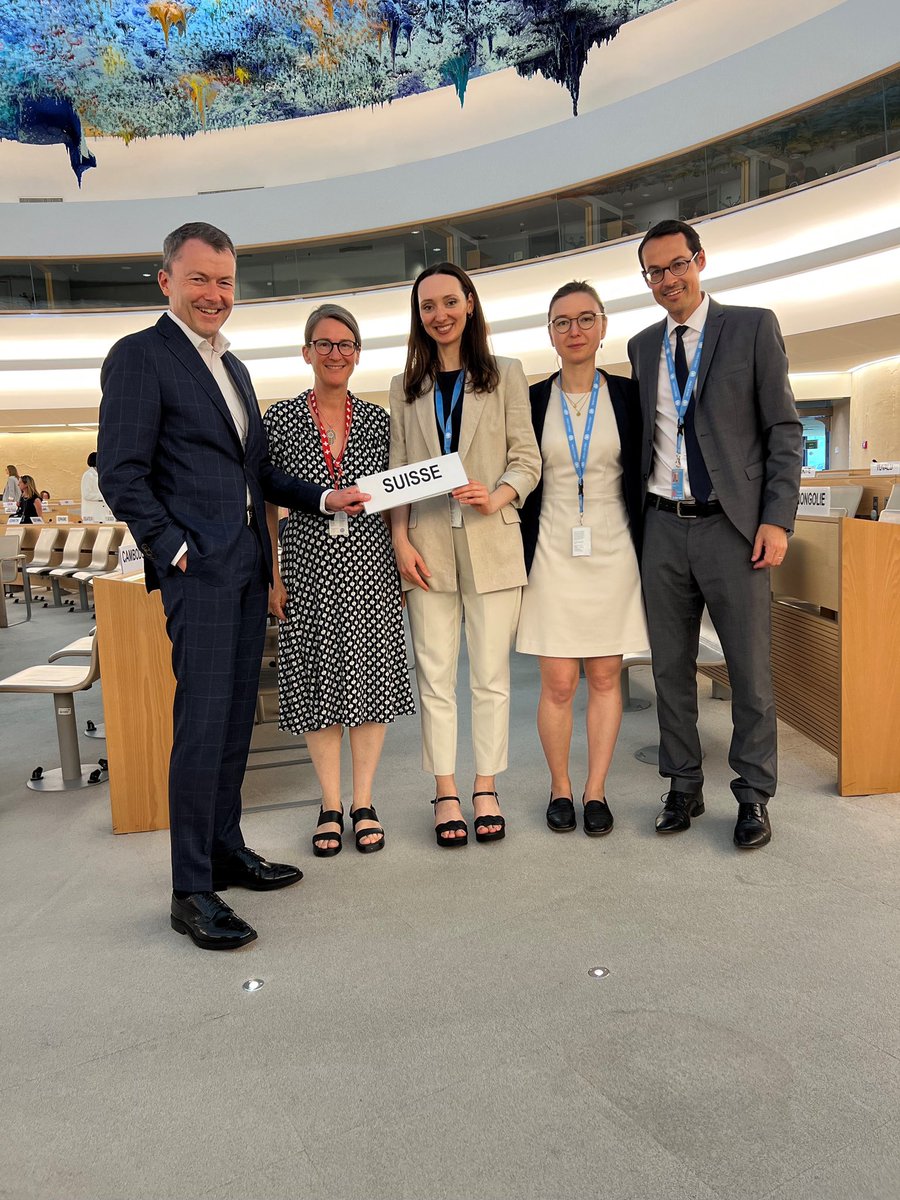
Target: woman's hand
278,598
410,564
477,496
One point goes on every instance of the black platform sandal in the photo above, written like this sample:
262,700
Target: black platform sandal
366,814
449,827
322,851
494,819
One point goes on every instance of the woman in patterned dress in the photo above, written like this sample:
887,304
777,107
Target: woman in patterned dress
341,648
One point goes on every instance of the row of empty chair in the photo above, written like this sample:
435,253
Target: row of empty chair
53,565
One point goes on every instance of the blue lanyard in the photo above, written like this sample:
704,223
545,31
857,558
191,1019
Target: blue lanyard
579,461
447,422
680,401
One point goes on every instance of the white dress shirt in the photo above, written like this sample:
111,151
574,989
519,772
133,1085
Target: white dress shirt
665,432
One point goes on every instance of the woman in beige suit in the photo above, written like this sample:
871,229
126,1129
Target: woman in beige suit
462,553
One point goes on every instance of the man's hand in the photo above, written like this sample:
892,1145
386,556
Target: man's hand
277,600
410,564
770,546
349,500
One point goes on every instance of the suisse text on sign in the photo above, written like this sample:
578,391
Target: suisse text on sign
416,481
885,468
814,502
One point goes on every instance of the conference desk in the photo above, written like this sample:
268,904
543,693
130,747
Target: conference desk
836,646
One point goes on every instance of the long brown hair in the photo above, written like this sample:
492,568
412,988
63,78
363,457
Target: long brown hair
421,350
30,487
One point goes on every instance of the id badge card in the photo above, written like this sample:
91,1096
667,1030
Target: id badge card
456,518
339,525
678,483
581,541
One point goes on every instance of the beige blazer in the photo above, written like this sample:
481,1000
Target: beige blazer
497,445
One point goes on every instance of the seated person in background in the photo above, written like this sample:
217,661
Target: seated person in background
798,173
45,495
29,501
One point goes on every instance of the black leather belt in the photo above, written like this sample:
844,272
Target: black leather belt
684,508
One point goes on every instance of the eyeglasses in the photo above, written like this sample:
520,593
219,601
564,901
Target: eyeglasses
585,320
323,346
677,268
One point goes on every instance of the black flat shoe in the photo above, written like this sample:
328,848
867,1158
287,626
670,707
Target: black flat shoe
561,814
753,828
598,820
245,868
320,849
678,808
209,922
449,827
366,814
481,823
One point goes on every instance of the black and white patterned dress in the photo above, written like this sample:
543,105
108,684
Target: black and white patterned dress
341,651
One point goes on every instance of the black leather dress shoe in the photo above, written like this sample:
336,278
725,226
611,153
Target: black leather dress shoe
210,922
753,828
246,868
561,814
678,809
598,820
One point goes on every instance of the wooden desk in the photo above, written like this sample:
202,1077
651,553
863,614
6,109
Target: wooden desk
138,691
836,646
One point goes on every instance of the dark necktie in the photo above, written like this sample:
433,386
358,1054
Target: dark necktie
698,476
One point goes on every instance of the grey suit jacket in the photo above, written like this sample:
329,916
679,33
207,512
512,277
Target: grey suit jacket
745,416
497,445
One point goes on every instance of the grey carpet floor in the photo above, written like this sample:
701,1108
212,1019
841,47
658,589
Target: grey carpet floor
427,1026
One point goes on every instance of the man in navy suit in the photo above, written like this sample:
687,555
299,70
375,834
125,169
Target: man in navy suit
183,460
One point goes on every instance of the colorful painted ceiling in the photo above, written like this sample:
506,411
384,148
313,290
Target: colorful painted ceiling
77,69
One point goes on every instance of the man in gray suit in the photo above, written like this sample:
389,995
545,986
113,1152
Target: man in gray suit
721,470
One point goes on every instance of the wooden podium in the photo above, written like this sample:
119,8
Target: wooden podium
836,646
138,690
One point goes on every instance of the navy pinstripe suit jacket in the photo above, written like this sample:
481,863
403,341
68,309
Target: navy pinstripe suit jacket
171,462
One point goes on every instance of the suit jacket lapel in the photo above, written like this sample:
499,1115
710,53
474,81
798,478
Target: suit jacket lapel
190,359
715,319
473,407
651,348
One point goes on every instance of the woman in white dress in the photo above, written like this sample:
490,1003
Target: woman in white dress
581,532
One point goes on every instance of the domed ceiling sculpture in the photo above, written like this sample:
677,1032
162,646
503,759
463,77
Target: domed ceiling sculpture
73,70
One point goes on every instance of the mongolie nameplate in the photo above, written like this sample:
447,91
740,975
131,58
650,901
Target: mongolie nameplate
415,481
814,502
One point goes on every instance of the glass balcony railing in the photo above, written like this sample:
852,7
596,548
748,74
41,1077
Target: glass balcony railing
821,140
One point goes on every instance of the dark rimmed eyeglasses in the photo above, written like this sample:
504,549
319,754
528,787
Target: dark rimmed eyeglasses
324,346
677,267
585,320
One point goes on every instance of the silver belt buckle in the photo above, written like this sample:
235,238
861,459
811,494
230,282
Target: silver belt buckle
692,516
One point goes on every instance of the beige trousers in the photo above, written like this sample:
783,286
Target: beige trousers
491,619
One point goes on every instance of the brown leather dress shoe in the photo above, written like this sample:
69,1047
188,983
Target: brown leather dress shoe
245,868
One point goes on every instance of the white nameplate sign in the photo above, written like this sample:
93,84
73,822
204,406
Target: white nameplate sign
9,506
885,468
61,520
131,561
14,521
814,502
36,521
807,472
417,481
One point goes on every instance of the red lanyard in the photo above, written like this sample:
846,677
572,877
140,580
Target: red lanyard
334,465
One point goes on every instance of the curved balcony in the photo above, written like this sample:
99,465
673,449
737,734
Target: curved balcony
811,144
